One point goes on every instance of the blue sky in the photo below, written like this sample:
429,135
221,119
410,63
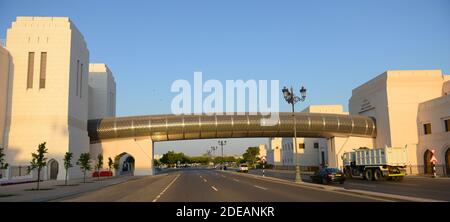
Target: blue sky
329,46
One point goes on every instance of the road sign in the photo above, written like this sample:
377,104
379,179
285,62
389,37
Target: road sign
263,159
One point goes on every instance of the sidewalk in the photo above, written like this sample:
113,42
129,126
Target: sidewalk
55,189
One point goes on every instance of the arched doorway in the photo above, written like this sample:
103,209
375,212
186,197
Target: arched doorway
53,169
447,161
125,163
426,162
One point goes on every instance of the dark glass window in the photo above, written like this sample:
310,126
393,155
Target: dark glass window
316,145
447,125
301,146
43,70
81,79
427,128
78,76
30,70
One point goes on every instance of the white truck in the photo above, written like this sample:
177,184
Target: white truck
376,164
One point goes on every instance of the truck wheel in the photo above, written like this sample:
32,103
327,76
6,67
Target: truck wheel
377,175
399,179
368,174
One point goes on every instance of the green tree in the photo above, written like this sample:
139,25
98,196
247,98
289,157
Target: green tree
250,155
99,165
85,164
3,164
38,161
110,163
67,164
116,162
171,158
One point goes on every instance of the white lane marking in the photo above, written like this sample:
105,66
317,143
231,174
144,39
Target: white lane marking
165,189
223,176
214,188
205,180
236,180
262,188
201,176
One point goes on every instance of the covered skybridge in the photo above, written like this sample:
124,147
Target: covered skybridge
135,135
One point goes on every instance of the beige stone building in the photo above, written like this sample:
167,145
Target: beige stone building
44,94
404,103
5,78
102,92
274,152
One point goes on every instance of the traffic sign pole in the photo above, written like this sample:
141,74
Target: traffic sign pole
263,160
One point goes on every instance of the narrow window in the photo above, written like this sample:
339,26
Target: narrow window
30,70
447,125
301,146
427,128
78,75
43,70
81,78
316,145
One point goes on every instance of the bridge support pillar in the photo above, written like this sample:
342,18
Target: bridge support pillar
337,146
141,149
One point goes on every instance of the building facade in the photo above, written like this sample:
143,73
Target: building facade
403,102
5,78
262,151
433,126
44,94
102,92
49,91
274,151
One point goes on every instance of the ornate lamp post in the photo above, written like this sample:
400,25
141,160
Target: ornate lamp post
222,143
290,97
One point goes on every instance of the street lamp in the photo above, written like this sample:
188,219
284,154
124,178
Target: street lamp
222,143
213,149
291,98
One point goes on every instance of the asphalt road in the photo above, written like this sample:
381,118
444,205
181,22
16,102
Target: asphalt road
194,185
421,187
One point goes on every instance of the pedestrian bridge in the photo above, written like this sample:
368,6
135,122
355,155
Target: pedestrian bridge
135,135
185,127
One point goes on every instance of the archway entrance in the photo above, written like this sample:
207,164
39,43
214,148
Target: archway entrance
447,162
125,164
53,169
428,168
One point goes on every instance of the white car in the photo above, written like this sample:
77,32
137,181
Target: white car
243,168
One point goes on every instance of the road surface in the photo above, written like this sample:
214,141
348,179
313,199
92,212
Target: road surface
198,185
421,187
